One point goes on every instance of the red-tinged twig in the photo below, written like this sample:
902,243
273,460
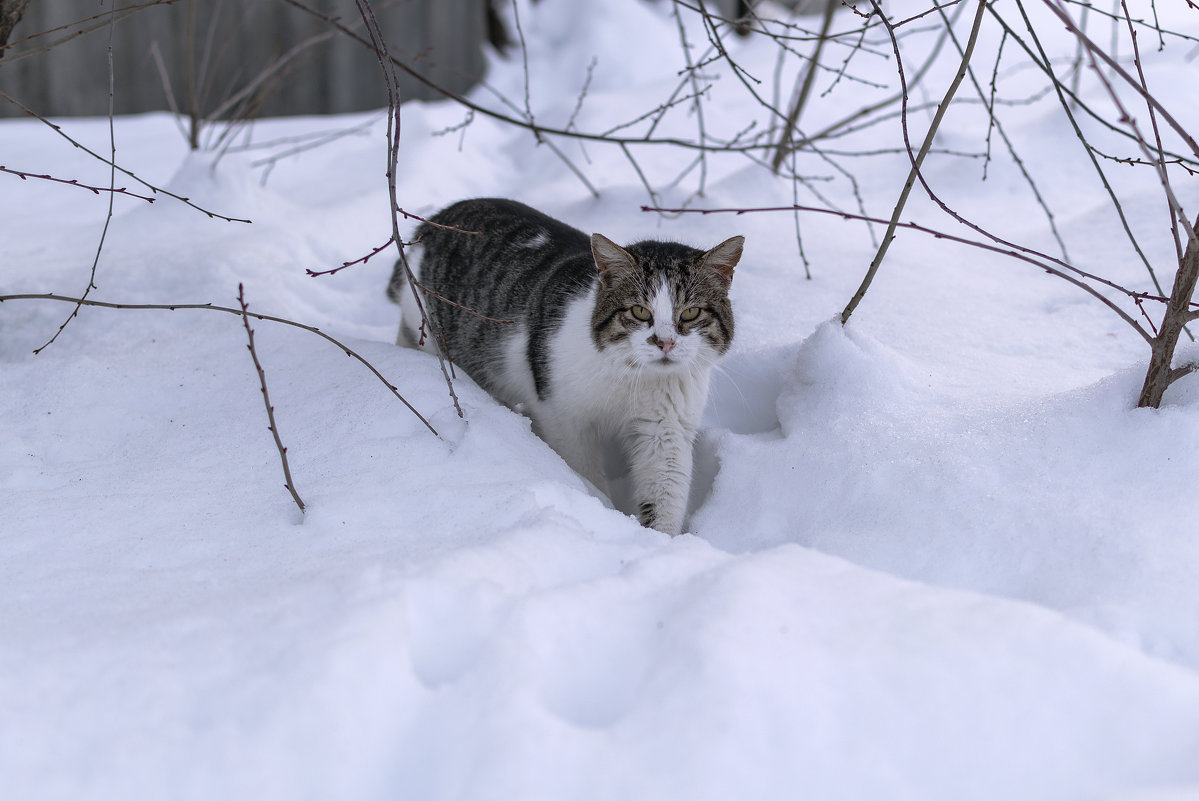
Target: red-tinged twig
362,260
1066,101
1140,301
1113,65
1025,255
1160,373
266,399
1175,207
112,182
994,123
74,182
390,241
211,307
388,66
111,163
410,216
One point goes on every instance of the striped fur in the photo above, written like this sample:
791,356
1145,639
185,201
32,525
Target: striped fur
601,342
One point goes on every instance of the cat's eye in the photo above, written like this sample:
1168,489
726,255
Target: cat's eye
640,312
690,313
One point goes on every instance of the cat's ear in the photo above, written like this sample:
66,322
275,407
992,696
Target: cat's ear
610,258
724,257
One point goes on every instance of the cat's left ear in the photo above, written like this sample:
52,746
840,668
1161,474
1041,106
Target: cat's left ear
610,258
724,257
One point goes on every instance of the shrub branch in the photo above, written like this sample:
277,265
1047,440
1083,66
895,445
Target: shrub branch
266,399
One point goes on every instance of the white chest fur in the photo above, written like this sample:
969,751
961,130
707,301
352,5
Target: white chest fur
598,397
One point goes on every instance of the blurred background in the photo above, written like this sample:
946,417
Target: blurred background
250,58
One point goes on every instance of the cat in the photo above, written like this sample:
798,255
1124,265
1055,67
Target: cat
593,341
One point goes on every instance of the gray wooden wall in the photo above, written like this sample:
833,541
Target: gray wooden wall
444,37
225,44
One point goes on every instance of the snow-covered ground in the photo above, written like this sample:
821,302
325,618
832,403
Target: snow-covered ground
936,554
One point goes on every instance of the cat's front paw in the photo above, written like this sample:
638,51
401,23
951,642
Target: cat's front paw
651,515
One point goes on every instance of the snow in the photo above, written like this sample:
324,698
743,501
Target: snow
935,554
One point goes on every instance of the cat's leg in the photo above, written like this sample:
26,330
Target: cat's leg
661,457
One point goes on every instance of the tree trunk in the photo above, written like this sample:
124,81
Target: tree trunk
1161,371
10,15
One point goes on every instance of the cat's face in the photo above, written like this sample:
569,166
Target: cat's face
663,306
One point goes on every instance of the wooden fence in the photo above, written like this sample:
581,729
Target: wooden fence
207,51
271,55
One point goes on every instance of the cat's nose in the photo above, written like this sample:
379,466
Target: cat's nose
666,345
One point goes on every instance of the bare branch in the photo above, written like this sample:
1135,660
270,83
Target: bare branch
211,307
693,77
924,148
1161,372
73,182
1042,60
805,89
266,399
1022,254
86,25
387,64
112,179
110,162
1055,6
345,264
995,124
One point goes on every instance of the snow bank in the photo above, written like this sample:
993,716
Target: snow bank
936,554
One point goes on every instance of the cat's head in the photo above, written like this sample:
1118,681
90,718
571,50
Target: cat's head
664,306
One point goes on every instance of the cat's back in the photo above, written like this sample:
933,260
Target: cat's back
500,255
498,259
501,219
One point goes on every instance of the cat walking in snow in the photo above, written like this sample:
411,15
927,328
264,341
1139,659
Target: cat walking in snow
605,344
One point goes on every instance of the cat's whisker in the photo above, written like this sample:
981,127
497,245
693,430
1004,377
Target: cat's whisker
607,341
723,371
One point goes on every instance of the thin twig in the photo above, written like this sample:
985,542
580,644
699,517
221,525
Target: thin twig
1042,60
1115,67
1160,163
155,189
1022,254
1011,148
388,65
211,307
112,182
918,160
345,264
410,216
699,107
536,127
266,399
805,89
73,182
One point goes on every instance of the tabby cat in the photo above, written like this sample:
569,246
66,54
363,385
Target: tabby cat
604,344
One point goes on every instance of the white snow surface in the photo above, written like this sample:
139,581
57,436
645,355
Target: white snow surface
935,554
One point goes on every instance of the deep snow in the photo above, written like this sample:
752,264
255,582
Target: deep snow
935,554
